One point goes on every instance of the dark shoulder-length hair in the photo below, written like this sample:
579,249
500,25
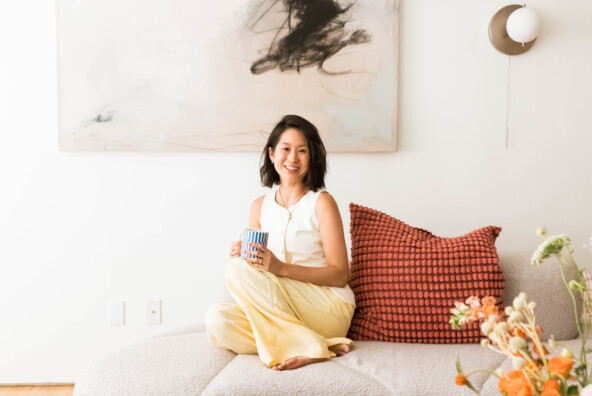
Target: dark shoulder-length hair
317,168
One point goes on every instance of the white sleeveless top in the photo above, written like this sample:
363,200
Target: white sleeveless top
294,235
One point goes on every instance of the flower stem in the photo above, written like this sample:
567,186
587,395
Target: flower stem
584,380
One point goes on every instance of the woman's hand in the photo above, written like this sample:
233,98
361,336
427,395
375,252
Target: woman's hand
264,259
235,249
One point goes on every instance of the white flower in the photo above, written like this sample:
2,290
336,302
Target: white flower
515,316
508,310
486,328
518,363
493,336
473,301
485,342
519,303
517,343
541,231
499,372
567,353
552,246
460,308
503,327
552,343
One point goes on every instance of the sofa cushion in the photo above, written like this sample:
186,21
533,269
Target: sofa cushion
555,312
185,363
246,375
181,364
416,369
406,279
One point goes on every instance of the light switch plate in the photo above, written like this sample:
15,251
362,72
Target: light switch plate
116,313
153,312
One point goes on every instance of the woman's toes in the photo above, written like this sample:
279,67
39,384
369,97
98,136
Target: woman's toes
340,349
295,362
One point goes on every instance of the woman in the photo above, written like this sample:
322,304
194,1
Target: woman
293,305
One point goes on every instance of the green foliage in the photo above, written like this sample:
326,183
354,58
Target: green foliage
581,372
455,322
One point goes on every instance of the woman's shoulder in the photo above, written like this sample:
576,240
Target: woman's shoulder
325,202
324,197
258,202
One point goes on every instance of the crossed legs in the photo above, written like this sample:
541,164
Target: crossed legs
288,323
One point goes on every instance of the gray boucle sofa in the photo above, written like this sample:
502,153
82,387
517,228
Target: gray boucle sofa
183,362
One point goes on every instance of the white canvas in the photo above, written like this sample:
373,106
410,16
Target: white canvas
183,75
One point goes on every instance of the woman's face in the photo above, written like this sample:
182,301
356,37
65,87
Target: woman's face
291,157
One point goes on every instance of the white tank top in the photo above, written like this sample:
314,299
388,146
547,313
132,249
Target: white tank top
294,235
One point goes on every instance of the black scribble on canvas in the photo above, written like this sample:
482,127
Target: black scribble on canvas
104,117
315,32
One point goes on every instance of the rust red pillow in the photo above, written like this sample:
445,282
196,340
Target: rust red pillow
406,279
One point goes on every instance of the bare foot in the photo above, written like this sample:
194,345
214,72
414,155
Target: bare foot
340,349
299,361
295,362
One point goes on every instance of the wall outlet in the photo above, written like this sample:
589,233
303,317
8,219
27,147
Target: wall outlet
153,312
117,313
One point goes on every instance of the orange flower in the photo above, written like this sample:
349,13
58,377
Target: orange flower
560,365
535,349
551,388
475,313
490,310
489,300
551,384
515,383
518,332
460,380
550,392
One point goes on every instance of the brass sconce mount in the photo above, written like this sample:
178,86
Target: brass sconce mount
498,35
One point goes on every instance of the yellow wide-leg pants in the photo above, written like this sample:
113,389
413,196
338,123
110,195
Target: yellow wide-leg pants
277,318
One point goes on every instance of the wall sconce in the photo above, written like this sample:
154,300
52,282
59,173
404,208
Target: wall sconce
513,29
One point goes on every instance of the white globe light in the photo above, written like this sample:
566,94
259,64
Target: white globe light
523,25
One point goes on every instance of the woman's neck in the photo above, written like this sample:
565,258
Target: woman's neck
290,194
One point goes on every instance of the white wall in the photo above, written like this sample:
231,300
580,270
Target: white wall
80,228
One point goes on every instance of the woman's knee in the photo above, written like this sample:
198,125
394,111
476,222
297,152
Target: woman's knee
215,321
237,270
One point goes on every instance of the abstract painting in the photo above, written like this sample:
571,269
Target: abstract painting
185,75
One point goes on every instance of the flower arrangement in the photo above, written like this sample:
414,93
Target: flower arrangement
514,333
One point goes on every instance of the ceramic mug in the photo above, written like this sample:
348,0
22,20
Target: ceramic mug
252,236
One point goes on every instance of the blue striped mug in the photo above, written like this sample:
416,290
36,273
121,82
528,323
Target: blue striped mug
252,236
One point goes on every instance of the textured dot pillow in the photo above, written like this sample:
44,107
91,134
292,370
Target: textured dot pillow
406,279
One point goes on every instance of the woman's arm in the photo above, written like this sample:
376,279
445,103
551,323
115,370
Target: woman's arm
336,273
255,214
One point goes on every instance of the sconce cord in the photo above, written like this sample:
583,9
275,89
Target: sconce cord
508,104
